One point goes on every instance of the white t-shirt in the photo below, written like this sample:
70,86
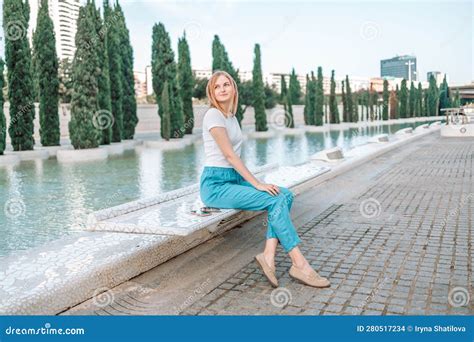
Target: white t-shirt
215,118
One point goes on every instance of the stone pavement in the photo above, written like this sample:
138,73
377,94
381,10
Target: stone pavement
394,236
403,246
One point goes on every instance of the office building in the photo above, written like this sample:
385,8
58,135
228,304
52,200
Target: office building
400,66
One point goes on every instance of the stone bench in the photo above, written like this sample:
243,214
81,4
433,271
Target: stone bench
170,213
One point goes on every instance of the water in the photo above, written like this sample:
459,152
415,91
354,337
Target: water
44,200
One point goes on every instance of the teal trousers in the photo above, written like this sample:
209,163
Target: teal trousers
225,188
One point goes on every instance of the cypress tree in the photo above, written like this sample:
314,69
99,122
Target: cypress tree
412,101
333,111
425,102
166,111
375,103
65,80
355,111
103,118
47,67
306,101
397,103
344,102
369,104
16,14
283,91
129,102
35,68
319,98
221,61
444,98
287,105
159,60
164,70
218,52
349,101
3,121
393,105
312,100
403,99
457,99
186,83
115,70
433,97
289,118
385,96
82,131
419,101
258,92
294,88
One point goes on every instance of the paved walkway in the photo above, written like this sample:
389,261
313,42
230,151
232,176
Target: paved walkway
393,236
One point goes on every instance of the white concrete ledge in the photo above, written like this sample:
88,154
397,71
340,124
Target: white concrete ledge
402,131
130,144
53,150
380,138
324,128
458,131
84,155
330,155
261,135
422,127
113,149
291,131
30,155
9,160
172,144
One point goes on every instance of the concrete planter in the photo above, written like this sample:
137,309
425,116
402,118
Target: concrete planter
291,131
84,155
324,128
114,148
130,144
261,135
53,150
30,155
172,144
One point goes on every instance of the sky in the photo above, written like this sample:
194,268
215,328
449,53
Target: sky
350,37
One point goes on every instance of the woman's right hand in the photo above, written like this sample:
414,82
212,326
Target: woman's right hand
272,189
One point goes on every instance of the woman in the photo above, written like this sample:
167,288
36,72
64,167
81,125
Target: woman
227,183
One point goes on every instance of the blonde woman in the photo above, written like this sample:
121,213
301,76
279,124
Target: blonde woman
227,183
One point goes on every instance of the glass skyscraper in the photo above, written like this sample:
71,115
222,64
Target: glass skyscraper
400,66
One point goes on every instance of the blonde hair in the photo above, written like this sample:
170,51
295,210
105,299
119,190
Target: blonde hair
212,97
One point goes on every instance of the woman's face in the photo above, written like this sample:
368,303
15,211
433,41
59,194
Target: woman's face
223,90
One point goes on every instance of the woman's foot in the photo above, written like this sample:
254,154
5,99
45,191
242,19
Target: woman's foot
307,275
270,259
268,269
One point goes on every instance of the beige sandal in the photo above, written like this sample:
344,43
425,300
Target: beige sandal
267,270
